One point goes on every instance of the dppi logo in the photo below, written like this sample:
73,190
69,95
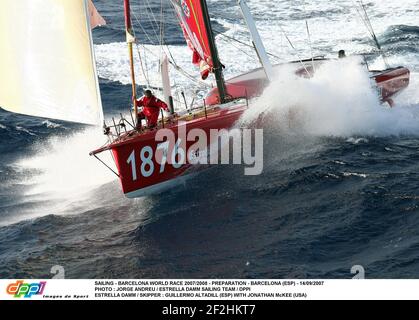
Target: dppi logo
27,290
185,8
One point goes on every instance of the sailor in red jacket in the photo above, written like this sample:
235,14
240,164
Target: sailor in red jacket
151,108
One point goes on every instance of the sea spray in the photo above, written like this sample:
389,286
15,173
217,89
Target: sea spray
340,100
59,177
62,164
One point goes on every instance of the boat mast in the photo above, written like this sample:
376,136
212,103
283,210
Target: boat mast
218,68
257,41
130,41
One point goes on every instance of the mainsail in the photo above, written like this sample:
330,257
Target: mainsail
47,65
190,15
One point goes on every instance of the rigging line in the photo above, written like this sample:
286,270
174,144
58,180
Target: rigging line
140,58
370,25
179,69
142,28
311,47
152,16
142,66
366,25
182,71
161,42
367,22
194,80
298,55
172,61
244,52
374,35
148,38
144,69
162,27
106,165
139,54
309,38
253,57
138,19
218,32
242,43
151,13
167,47
361,16
170,54
185,73
367,18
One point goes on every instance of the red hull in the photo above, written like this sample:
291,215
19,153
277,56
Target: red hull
391,82
140,173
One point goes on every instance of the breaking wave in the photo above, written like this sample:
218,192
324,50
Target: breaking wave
340,101
58,175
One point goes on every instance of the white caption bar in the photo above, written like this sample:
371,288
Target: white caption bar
21,289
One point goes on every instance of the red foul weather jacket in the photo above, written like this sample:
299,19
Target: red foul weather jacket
151,109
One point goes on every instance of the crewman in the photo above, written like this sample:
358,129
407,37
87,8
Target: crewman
342,54
151,109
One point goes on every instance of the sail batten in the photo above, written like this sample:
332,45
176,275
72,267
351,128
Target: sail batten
47,66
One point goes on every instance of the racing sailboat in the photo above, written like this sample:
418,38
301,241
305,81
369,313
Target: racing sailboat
136,151
48,70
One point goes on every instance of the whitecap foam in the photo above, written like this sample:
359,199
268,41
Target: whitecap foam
354,174
22,129
340,101
50,124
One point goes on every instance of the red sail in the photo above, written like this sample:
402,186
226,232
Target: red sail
95,18
191,19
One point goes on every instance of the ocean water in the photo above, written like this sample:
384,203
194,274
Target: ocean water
340,188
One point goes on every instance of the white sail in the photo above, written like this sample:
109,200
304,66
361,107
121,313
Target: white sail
47,65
